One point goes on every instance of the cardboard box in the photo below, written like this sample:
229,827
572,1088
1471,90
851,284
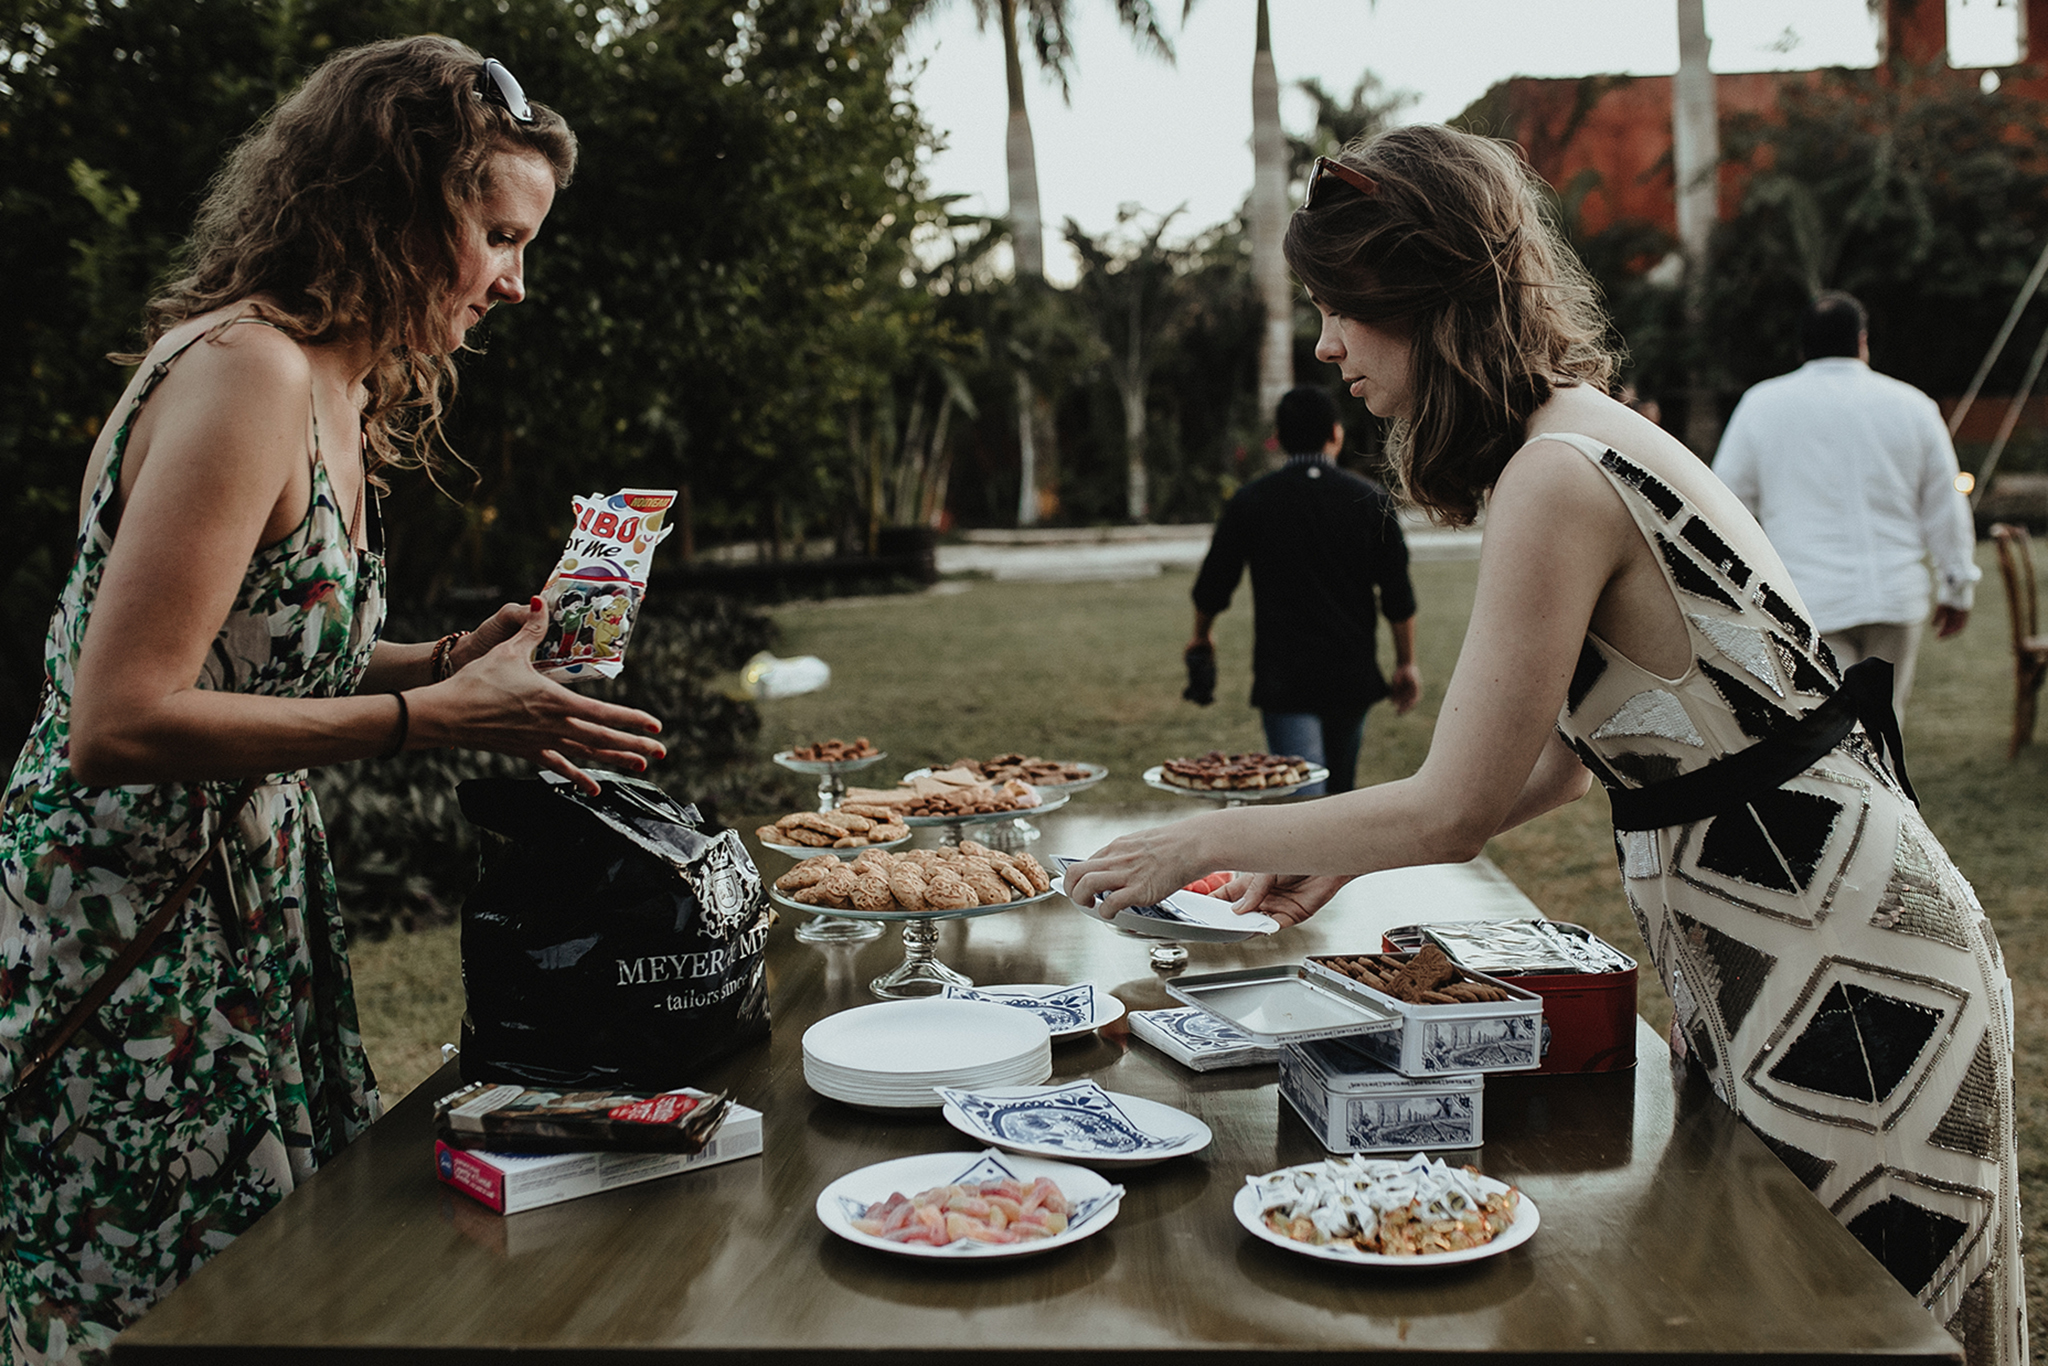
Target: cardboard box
511,1182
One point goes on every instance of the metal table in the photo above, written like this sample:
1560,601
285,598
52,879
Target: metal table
1670,1233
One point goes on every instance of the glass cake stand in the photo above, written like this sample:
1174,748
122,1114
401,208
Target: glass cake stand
831,773
1020,833
920,973
953,829
1171,955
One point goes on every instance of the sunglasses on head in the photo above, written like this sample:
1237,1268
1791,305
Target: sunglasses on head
1327,172
496,85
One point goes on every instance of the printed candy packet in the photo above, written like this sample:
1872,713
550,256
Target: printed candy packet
593,596
512,1119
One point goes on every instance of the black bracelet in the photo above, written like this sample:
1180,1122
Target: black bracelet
404,727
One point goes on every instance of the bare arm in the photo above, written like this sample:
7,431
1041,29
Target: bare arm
1404,685
219,467
1556,535
1205,629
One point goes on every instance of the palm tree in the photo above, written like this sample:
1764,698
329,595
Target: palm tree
1269,224
1053,46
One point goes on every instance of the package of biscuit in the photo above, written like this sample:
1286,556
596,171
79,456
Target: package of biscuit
593,596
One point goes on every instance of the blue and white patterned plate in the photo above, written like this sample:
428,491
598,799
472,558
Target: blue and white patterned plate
1093,1201
1067,1011
1078,1121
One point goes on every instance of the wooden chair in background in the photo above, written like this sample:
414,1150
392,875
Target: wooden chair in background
2029,646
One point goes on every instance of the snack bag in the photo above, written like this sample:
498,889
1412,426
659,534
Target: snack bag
593,596
505,1118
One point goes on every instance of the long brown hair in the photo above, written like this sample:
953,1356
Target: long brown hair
345,210
1453,245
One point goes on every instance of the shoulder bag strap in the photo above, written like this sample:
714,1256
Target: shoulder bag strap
45,1053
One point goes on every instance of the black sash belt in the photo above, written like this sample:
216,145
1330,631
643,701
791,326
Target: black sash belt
1784,754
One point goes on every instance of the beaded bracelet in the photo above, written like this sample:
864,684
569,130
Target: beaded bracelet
444,656
404,727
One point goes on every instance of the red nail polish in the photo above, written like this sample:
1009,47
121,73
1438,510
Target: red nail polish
536,605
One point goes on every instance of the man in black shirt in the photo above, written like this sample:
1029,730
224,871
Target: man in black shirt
1321,542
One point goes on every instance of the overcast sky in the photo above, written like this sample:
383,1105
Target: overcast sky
1140,131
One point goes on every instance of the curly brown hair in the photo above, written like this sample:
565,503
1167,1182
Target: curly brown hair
1453,245
342,213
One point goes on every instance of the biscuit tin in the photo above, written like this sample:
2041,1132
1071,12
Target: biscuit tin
1589,1018
1355,1105
1287,1003
1433,1040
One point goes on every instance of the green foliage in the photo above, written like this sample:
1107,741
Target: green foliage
715,302
1916,191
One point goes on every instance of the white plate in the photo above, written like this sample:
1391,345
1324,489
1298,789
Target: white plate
1093,1199
1076,1122
800,852
1246,1208
1058,1006
1142,926
892,1054
1156,777
789,761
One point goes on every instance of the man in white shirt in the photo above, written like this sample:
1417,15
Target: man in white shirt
1853,477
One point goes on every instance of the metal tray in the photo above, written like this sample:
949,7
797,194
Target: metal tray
1287,1004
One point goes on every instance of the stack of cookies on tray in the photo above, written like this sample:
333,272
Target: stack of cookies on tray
1220,772
916,880
844,828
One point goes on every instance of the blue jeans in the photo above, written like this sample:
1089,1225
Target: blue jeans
1330,739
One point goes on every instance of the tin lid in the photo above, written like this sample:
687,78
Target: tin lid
1285,1004
1346,1071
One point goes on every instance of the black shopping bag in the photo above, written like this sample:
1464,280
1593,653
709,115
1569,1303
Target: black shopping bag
610,943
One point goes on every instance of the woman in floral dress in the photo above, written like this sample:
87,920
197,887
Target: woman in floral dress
220,628
1830,971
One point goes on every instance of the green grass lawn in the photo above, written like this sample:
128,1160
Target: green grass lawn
1092,671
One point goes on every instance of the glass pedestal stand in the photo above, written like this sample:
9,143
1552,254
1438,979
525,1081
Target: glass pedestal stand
831,773
1169,955
992,827
920,973
1016,836
822,927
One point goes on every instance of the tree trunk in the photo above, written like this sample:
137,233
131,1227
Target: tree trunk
1269,226
1695,161
1132,389
1027,246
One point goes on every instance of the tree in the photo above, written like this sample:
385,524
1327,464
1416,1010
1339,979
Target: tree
722,286
1916,191
1131,292
1054,48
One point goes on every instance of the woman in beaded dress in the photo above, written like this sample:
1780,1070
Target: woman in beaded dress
220,627
1831,972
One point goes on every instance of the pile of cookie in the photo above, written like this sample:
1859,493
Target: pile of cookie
847,827
1425,977
1013,795
835,751
1028,767
916,880
1220,772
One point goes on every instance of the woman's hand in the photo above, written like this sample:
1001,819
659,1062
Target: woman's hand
499,627
1288,898
1140,869
500,702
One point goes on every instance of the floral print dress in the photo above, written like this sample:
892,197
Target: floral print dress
228,1066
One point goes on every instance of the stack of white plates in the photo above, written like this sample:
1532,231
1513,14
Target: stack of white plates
890,1056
